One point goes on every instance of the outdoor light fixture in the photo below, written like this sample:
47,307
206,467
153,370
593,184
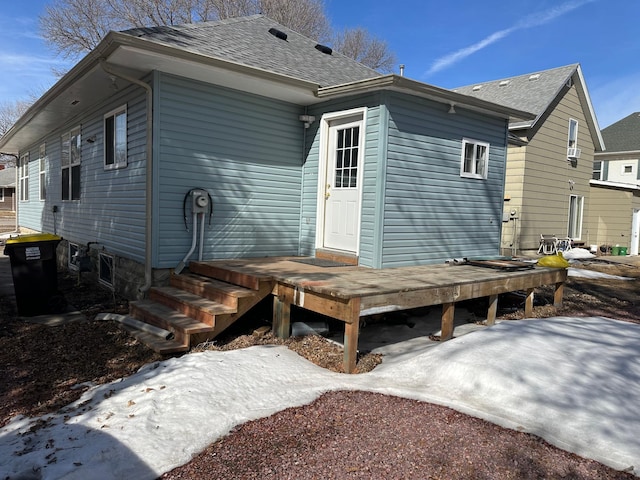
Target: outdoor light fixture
307,119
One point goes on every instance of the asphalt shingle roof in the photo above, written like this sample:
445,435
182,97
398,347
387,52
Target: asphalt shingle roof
533,92
624,135
247,41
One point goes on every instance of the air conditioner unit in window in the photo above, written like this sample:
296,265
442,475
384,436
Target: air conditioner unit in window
573,153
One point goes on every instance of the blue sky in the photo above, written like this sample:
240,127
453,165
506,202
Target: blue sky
448,43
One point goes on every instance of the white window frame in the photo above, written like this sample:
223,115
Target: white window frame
597,172
23,173
108,282
572,136
73,250
625,166
472,172
42,172
111,133
574,224
70,159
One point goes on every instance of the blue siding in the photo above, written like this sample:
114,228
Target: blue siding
111,208
246,151
430,212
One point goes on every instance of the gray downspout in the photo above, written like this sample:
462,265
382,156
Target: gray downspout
148,270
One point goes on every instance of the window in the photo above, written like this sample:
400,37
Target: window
597,170
475,158
576,203
105,270
573,152
627,170
23,173
70,160
115,138
347,158
73,256
42,176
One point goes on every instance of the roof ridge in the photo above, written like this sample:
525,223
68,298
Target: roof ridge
487,82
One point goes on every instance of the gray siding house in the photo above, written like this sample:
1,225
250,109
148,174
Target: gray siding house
302,151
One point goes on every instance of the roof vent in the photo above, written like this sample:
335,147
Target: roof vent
278,34
504,83
476,88
324,49
535,76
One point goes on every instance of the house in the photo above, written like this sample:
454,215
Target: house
249,140
615,187
549,159
8,189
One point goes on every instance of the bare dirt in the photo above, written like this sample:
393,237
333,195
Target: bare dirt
340,435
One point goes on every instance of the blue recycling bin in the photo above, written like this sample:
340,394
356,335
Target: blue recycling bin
34,271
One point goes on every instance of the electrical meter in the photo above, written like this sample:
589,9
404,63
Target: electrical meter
200,200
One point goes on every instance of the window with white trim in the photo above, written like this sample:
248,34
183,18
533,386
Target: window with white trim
572,142
597,170
475,159
23,173
627,169
70,161
576,204
42,176
105,269
115,138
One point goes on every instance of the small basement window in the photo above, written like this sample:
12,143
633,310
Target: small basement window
73,254
105,270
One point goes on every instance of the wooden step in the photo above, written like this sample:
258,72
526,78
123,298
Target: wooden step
227,275
337,256
157,314
189,304
210,288
157,344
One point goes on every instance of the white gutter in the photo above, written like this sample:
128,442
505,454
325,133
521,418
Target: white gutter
148,269
606,183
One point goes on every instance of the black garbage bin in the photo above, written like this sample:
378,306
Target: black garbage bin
34,270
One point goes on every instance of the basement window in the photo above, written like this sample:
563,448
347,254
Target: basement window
73,253
105,270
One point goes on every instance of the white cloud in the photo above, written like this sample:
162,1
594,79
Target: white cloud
530,21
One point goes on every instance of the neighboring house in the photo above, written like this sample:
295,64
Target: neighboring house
301,149
8,189
615,188
549,162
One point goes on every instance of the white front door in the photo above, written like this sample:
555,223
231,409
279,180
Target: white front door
342,185
635,232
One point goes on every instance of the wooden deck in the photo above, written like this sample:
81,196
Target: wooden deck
348,292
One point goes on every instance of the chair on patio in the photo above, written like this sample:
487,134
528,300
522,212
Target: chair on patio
548,244
564,244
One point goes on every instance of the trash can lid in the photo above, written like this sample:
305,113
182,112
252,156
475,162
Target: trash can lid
34,237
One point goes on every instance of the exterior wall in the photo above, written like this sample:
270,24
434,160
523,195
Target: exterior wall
246,151
513,198
110,211
549,179
611,215
431,213
373,136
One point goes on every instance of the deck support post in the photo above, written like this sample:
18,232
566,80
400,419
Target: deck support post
558,294
448,313
351,332
493,310
281,316
528,304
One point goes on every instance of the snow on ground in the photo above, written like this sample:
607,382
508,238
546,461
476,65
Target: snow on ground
584,273
573,381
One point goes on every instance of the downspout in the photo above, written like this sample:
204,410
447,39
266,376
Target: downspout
148,270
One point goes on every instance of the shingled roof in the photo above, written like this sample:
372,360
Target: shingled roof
259,42
624,135
533,92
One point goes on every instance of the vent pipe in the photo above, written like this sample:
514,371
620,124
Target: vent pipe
402,70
